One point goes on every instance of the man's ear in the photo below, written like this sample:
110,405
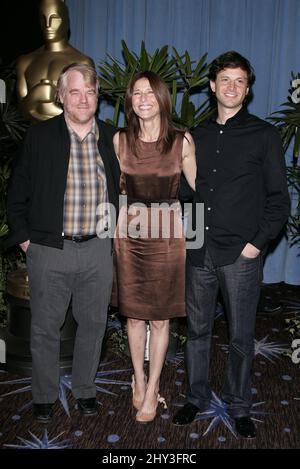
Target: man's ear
212,85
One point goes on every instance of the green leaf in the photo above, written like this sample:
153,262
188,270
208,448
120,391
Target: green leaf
188,64
117,112
296,145
174,94
144,60
130,58
201,65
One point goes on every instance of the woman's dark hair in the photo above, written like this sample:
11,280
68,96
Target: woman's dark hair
231,59
167,130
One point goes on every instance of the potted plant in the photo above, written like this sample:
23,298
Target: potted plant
12,129
184,77
288,123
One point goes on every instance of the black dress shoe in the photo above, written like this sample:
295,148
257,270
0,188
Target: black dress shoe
186,415
245,427
88,407
43,412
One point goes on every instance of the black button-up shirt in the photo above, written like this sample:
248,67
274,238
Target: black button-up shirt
241,179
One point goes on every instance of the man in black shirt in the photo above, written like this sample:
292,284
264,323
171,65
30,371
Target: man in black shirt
241,181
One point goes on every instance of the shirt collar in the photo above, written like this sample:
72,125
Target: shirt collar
94,130
238,118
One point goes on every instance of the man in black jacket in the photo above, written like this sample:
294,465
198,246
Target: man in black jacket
241,181
62,199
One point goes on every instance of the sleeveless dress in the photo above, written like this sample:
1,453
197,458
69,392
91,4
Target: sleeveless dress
149,244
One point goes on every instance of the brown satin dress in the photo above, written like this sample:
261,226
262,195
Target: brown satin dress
149,245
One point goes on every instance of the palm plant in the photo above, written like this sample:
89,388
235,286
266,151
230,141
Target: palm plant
293,174
183,76
288,124
288,120
12,128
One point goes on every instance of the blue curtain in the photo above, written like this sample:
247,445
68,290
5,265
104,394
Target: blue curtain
267,32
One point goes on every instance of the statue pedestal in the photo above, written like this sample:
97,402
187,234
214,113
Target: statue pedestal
17,333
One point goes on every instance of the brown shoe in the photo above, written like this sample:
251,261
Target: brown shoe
145,417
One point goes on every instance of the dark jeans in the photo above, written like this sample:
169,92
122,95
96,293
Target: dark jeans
240,286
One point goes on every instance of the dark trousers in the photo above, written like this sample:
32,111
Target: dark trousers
81,272
240,287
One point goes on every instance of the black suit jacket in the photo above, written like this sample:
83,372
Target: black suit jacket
35,200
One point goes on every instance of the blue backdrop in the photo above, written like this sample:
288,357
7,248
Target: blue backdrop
267,32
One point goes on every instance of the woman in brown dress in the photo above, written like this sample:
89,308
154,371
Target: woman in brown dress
149,242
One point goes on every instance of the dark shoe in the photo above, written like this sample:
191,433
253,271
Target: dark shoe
88,407
245,427
43,412
186,415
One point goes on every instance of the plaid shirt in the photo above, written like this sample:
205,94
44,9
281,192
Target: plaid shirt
86,184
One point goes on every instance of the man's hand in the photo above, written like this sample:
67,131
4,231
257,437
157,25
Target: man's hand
24,246
250,251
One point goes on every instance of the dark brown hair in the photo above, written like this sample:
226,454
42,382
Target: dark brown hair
231,59
167,130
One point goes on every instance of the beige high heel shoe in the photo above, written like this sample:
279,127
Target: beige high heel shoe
145,417
137,404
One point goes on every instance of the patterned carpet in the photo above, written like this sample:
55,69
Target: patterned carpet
275,388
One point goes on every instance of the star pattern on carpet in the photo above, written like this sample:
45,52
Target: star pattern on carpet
269,350
65,385
40,443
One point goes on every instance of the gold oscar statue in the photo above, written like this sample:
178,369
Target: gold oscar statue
38,71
